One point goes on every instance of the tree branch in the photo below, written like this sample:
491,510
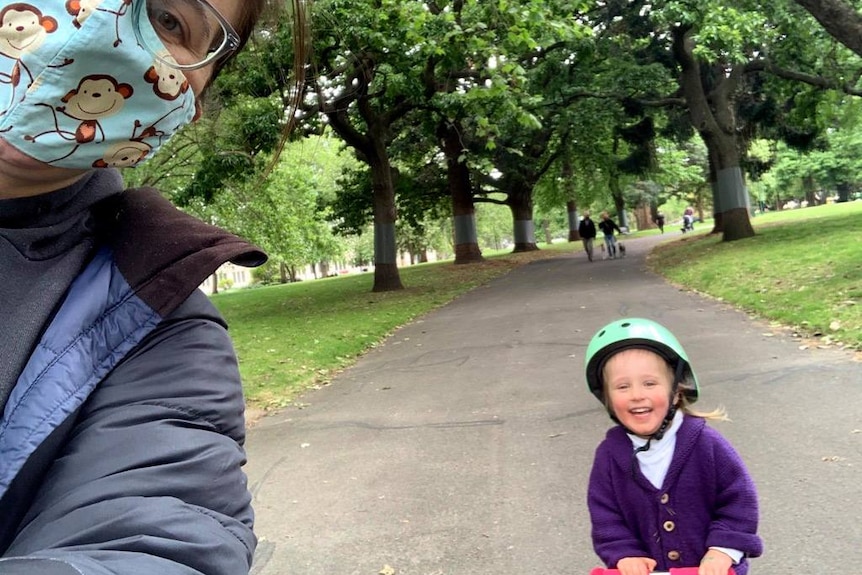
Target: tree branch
839,18
810,79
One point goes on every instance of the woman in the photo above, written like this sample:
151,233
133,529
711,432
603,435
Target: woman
122,425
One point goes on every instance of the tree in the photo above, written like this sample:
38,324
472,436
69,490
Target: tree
840,19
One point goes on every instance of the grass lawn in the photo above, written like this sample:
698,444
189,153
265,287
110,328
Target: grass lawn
802,269
290,337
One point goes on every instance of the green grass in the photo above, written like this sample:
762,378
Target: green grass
802,269
295,336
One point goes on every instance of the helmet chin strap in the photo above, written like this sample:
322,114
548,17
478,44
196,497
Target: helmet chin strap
665,423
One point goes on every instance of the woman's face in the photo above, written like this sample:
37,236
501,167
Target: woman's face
231,10
23,175
638,385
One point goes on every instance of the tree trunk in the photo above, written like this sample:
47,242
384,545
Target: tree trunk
717,219
736,207
737,225
521,204
546,228
843,192
644,217
568,175
730,196
572,209
619,200
808,186
282,272
712,115
463,210
215,283
386,275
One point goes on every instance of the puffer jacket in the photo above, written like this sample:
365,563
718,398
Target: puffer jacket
121,443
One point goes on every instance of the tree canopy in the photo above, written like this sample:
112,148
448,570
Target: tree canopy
437,106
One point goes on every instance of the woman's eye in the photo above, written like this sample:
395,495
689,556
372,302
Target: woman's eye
166,24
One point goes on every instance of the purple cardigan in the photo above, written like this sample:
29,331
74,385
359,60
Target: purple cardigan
708,499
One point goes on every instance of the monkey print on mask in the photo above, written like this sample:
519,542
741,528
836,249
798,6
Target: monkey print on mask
78,91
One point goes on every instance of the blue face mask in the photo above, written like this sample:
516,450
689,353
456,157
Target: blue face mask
77,90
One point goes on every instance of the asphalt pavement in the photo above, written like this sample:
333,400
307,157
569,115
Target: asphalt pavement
463,444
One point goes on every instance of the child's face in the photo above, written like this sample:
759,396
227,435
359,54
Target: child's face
638,386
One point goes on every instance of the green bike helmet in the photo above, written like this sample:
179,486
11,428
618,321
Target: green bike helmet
638,333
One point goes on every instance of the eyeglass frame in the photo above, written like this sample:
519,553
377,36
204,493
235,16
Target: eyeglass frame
229,45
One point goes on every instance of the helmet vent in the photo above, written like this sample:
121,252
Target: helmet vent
626,324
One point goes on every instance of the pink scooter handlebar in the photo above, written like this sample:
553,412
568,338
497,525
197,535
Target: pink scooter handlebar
680,571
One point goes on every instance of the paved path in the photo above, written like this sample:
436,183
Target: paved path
462,446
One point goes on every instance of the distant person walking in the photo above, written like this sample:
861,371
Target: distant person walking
587,231
659,221
607,225
688,220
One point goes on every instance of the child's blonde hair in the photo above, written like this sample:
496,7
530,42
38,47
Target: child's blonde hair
684,404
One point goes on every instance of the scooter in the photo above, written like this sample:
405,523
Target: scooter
680,571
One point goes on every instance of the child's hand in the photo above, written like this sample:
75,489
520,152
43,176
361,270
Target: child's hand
636,566
714,563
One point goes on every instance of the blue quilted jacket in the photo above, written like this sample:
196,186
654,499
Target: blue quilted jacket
121,443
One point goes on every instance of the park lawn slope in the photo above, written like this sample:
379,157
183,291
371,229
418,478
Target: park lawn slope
292,337
802,269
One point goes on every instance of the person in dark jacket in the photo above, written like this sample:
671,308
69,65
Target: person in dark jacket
661,468
659,221
587,231
121,408
607,225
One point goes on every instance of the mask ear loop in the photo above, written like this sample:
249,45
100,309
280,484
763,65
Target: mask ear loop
668,419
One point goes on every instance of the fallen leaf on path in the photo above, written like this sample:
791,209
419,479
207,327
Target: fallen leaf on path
387,570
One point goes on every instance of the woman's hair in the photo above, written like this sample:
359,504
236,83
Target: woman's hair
249,14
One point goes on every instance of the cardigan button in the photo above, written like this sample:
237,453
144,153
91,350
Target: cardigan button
669,526
664,498
673,555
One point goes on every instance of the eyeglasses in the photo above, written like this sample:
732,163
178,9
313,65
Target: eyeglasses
193,31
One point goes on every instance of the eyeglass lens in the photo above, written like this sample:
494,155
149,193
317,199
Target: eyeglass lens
189,29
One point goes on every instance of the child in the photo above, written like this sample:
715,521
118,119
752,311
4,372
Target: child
665,491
